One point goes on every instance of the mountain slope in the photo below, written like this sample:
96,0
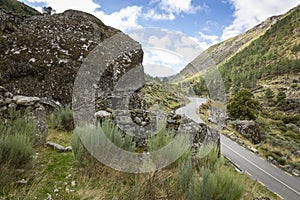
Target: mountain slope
15,6
273,54
224,50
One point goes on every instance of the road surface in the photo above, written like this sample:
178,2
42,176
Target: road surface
275,179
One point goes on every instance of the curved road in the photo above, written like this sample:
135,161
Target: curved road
275,179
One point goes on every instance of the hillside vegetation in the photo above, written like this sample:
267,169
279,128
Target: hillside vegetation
223,51
18,7
275,53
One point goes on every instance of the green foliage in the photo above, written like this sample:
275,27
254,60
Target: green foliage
166,96
160,139
199,86
269,94
225,185
18,7
115,136
244,106
266,57
211,181
94,138
48,10
280,98
15,150
62,119
17,136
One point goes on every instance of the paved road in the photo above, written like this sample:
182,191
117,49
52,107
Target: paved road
272,177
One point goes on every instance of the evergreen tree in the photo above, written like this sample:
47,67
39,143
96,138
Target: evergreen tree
281,97
269,95
244,106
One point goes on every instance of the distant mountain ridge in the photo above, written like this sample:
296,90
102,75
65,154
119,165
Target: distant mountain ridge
225,50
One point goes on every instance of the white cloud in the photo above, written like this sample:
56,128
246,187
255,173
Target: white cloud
249,13
124,19
179,6
154,15
205,40
62,5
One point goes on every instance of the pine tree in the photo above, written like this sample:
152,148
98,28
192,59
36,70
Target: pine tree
244,106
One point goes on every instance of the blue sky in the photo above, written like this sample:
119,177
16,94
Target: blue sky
205,22
208,21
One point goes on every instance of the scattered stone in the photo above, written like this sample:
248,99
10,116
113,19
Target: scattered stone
58,147
49,197
252,149
261,198
56,190
270,159
288,168
25,101
102,115
297,154
296,172
241,142
68,148
23,181
73,183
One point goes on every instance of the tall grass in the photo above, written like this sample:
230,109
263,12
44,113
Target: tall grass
160,139
62,119
93,137
210,179
17,136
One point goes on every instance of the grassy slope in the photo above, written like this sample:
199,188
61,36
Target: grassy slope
54,174
163,96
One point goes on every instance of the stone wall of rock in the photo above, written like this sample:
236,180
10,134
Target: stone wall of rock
24,103
248,129
142,124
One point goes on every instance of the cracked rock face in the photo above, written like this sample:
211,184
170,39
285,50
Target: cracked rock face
42,54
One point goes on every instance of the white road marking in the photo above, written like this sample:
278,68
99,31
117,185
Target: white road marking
264,171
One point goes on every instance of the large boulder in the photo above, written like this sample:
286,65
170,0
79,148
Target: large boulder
32,105
248,129
42,55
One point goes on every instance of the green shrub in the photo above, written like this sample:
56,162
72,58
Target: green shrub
17,136
244,106
62,119
93,137
15,150
211,180
225,185
160,139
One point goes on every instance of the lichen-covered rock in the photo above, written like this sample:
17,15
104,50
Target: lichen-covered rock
249,129
41,57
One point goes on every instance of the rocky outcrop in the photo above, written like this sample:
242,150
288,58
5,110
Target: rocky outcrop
41,57
248,129
31,105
